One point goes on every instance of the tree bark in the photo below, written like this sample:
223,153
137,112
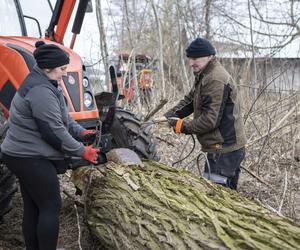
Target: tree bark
159,207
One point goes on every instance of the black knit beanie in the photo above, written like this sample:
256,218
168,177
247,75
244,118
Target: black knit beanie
200,47
49,56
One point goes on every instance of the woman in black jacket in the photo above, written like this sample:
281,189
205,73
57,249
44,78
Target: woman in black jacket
41,133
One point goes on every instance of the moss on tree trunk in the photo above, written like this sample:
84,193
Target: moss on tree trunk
159,207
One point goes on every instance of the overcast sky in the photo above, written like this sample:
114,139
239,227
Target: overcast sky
88,42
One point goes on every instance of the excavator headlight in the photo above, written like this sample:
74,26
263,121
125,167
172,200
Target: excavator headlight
85,82
87,99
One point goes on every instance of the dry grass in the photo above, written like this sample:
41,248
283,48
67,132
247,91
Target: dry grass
273,176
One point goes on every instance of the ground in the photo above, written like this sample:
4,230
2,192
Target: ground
71,221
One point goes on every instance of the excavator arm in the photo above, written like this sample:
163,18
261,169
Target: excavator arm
61,17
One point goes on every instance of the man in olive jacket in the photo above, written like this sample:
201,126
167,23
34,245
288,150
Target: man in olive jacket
217,122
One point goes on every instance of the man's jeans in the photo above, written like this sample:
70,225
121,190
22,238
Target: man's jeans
226,164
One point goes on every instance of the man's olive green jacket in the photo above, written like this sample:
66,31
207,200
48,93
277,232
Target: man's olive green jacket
214,100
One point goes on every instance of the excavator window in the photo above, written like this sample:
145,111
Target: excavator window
10,19
24,17
41,11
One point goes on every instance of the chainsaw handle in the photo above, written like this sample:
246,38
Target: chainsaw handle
114,82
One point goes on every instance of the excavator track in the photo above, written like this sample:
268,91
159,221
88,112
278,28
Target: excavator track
7,181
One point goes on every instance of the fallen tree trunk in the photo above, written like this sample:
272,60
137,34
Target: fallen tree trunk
158,207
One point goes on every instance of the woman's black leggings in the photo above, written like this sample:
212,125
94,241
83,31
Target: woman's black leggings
42,202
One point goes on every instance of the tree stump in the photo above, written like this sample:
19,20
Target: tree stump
159,207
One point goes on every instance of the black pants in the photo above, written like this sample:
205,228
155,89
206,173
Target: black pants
41,198
226,164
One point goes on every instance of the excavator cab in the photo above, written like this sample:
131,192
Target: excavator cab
22,24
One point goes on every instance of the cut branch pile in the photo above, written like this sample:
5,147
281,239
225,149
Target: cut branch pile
159,207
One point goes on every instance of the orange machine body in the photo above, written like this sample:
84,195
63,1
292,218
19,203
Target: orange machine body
144,74
16,61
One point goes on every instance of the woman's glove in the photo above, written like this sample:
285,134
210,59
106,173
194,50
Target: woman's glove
88,135
91,154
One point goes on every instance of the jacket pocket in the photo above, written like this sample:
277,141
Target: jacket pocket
210,139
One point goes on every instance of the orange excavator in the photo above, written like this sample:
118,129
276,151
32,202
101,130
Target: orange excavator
125,78
16,58
21,26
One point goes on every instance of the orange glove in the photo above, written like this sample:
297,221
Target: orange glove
91,154
176,123
179,125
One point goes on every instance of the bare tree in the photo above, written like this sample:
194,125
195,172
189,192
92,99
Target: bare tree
103,44
161,54
207,13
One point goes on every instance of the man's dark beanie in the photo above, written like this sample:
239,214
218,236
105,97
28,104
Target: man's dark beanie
49,56
200,47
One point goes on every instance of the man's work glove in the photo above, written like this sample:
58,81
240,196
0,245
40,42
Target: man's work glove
179,125
88,135
91,154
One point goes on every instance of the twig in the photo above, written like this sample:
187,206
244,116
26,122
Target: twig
263,145
282,102
273,130
160,120
156,109
78,226
184,147
85,192
259,179
269,207
78,203
284,191
164,140
260,93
